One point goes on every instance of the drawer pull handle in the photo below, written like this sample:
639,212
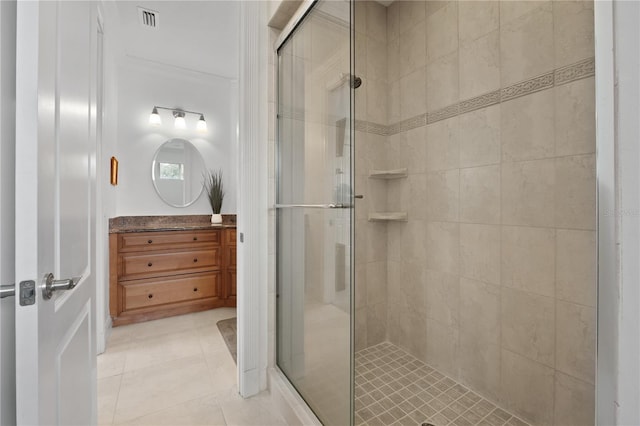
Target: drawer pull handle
195,260
195,289
195,238
149,264
150,241
150,296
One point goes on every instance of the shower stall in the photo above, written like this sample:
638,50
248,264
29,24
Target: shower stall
436,212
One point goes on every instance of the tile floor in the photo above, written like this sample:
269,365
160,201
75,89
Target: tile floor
175,371
395,388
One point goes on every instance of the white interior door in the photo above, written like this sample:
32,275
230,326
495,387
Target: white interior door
55,212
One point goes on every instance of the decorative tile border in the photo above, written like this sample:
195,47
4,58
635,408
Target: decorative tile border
557,77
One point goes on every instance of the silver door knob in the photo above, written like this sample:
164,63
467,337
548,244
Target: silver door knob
51,285
7,290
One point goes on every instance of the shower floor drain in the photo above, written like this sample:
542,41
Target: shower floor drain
427,424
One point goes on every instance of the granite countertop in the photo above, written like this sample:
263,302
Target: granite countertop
124,224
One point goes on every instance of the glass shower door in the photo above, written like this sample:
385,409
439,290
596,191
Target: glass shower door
314,211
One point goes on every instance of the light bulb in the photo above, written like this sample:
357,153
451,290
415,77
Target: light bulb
154,118
202,125
179,122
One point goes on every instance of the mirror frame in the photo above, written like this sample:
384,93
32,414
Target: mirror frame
153,167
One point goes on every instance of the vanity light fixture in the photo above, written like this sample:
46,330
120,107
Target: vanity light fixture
179,118
202,125
154,118
179,122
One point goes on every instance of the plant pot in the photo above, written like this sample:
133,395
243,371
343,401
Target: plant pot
216,218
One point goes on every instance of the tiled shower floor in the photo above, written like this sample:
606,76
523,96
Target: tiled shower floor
395,388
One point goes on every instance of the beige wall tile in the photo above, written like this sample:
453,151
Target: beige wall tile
396,151
416,150
575,401
573,31
443,297
376,60
376,323
442,346
576,340
480,65
376,21
393,60
443,244
376,241
528,127
435,5
393,102
361,16
576,266
443,199
414,244
480,137
413,94
443,149
480,311
477,18
479,365
414,332
360,333
526,44
510,10
575,117
376,101
411,13
480,194
360,291
393,20
528,387
528,193
412,48
576,192
418,201
394,284
480,252
442,31
529,259
528,325
376,282
414,285
442,82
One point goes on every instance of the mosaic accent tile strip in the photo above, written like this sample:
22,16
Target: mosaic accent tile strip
394,388
527,87
481,101
577,71
557,77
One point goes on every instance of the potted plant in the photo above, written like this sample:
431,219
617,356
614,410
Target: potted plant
215,192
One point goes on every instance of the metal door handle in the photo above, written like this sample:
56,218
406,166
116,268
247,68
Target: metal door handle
51,285
7,290
312,206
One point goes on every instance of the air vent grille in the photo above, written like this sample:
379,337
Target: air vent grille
148,18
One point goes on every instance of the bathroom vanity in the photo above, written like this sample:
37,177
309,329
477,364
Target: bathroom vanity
161,266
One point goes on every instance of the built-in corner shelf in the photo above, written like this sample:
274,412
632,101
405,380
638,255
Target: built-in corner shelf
389,174
388,217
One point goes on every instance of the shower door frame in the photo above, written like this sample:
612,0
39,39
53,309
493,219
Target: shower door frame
288,31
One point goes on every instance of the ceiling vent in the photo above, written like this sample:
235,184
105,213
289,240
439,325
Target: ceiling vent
148,18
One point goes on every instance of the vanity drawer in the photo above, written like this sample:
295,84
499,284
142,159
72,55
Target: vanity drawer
147,293
154,264
168,240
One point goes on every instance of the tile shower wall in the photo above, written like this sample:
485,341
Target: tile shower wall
490,106
370,151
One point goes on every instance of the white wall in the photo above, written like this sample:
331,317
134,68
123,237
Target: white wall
143,84
7,213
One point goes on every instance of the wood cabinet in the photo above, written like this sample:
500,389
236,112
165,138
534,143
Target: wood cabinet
159,274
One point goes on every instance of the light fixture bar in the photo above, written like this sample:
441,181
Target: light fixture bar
178,115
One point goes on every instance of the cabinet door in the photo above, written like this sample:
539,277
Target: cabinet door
230,291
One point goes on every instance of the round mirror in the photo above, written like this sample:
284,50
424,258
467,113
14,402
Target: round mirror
177,171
